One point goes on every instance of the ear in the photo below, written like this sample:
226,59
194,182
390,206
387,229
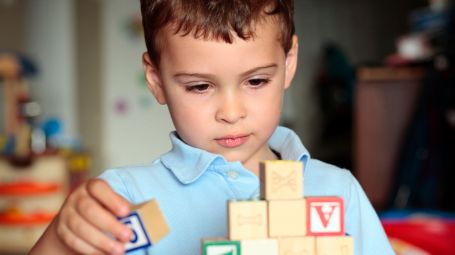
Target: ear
153,79
291,62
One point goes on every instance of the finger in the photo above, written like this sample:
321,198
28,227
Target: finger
102,192
102,219
93,236
75,243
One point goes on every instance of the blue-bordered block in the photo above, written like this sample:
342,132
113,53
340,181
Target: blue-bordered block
140,238
221,247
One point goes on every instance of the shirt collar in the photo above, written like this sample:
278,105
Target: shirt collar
288,144
188,163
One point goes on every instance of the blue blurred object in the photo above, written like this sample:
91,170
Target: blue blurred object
52,127
28,68
406,214
9,145
428,19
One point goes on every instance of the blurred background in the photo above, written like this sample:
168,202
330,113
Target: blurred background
374,93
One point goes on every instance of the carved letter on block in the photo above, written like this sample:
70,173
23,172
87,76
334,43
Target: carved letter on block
140,237
147,224
281,179
247,220
325,216
220,247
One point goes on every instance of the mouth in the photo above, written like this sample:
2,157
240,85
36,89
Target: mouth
232,141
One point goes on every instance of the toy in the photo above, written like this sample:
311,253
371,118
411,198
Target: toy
325,216
297,245
259,246
247,220
147,224
287,218
295,225
220,246
19,109
334,245
281,179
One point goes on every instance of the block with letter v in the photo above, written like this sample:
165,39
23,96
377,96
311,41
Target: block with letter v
325,216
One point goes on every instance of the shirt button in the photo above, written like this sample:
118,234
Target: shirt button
233,174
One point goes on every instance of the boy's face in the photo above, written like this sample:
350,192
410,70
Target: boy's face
224,98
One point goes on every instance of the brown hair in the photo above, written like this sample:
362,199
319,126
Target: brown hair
214,19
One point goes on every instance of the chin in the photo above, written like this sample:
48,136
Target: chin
238,156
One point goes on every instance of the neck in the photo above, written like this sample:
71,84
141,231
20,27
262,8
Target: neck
253,165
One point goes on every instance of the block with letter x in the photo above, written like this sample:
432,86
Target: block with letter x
148,226
325,216
281,179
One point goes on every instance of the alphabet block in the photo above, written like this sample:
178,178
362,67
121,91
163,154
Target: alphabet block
262,247
334,245
220,247
297,245
147,224
287,218
281,179
325,216
247,220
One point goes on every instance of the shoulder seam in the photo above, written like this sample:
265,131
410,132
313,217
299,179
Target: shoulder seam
128,192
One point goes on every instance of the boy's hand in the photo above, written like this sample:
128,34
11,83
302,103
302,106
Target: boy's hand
88,221
89,216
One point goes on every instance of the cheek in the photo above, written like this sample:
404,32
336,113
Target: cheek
187,115
269,101
192,123
266,109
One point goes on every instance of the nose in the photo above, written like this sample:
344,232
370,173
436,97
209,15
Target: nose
231,108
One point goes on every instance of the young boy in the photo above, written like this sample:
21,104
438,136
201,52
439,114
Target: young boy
222,68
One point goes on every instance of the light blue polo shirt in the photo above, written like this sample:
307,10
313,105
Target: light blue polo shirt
192,187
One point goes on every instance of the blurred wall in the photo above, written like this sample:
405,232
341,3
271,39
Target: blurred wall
11,23
135,127
365,29
89,78
49,40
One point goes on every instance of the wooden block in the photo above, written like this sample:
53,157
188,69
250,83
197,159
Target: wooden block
334,245
297,245
247,220
325,216
147,224
259,247
281,179
220,247
287,218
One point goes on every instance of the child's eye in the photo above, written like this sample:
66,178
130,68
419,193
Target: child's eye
258,82
199,88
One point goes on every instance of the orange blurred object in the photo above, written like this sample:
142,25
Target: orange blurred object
25,219
27,188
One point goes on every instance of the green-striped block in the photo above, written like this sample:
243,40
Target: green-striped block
221,247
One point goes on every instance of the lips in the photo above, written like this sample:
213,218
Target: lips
232,141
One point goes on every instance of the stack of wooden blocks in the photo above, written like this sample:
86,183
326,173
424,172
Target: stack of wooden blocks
283,222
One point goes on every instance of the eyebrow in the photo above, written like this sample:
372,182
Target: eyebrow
207,75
